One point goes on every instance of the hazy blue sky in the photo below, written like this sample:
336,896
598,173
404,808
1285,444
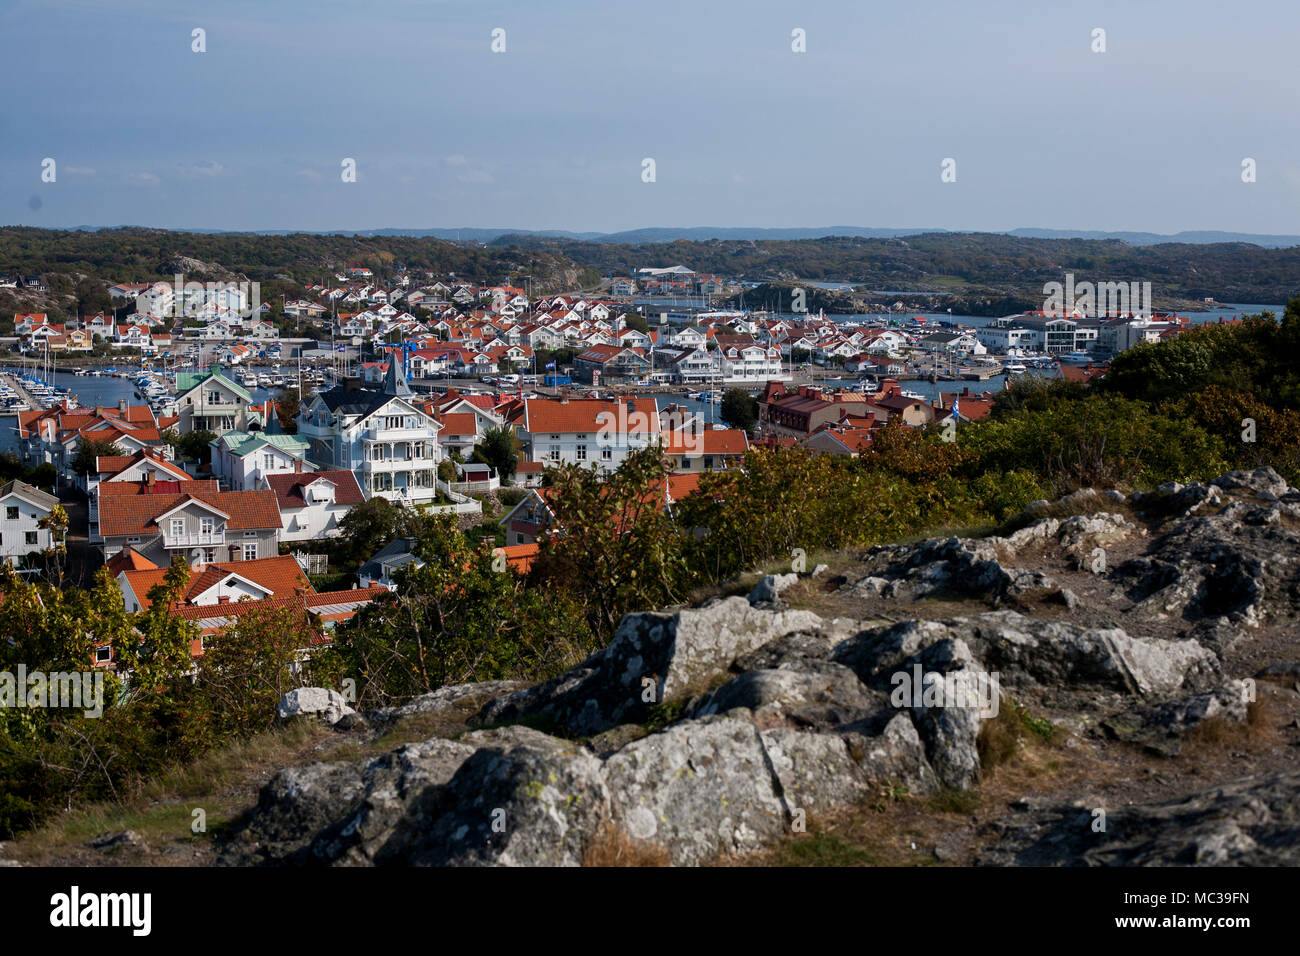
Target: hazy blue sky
1149,135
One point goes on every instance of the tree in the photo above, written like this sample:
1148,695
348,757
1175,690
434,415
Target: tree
461,616
83,462
739,409
371,525
249,665
287,405
56,523
613,546
161,654
500,450
191,445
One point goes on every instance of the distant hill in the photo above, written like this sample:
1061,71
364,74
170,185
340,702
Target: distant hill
652,234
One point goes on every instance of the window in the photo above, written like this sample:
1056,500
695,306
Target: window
209,555
607,454
206,525
11,512
268,461
555,453
582,453
132,540
103,655
31,537
250,552
178,527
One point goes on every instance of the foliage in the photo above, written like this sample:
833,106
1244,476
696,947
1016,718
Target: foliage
192,445
739,409
88,449
616,550
1099,441
498,448
459,617
248,667
368,527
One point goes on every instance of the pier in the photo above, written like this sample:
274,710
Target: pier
13,382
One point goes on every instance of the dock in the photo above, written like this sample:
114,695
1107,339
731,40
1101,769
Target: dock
13,382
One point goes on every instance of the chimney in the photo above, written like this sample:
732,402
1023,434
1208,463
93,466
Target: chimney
121,405
223,599
297,466
149,477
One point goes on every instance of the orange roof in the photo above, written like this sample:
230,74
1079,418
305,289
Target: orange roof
520,557
129,559
116,464
459,423
328,606
1078,373
111,489
637,416
279,574
138,514
710,441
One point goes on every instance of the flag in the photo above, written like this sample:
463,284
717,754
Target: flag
954,406
550,365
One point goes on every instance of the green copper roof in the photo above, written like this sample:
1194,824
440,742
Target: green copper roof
242,444
188,381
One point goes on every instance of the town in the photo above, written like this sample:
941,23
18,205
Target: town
241,446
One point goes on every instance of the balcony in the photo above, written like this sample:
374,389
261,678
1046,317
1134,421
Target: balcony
394,464
197,539
375,433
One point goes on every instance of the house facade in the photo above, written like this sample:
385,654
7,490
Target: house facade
209,401
379,434
587,431
313,503
22,507
241,460
202,527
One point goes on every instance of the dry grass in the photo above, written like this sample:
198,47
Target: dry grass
611,845
222,783
1216,735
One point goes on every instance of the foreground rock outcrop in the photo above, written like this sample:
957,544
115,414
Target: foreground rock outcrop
714,731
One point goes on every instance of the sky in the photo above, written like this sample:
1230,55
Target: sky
554,131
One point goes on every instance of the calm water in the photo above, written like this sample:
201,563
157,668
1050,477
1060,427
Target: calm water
90,390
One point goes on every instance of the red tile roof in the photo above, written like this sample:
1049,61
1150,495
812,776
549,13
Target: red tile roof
137,514
279,574
288,488
710,441
588,415
458,423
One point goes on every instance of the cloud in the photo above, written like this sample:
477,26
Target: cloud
476,176
457,159
310,175
207,168
145,179
79,170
